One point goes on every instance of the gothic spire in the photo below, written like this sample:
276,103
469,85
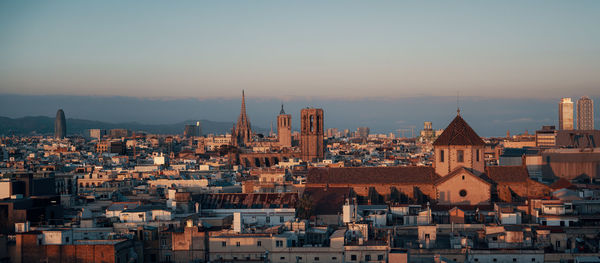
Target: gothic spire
282,111
243,132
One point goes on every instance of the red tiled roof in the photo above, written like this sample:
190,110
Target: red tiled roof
252,200
562,183
459,132
507,174
328,201
373,175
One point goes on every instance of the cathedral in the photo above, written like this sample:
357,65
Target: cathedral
459,175
241,135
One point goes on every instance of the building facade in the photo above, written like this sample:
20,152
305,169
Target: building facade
60,125
585,113
565,114
312,134
284,129
458,146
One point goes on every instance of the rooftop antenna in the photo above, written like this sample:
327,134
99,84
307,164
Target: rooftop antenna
457,104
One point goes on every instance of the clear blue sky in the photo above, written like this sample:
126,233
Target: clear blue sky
284,49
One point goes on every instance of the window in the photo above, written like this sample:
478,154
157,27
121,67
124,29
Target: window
281,219
353,257
316,258
367,257
279,243
223,244
268,219
477,153
463,193
441,156
237,244
557,243
380,257
67,239
460,156
514,259
495,260
532,259
333,258
476,260
258,243
282,258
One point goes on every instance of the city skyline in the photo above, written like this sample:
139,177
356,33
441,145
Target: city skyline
492,117
535,49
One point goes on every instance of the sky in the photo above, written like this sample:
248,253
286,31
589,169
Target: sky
301,50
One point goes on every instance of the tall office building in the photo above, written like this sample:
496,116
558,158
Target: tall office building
191,130
97,133
362,132
565,114
311,134
60,125
284,128
585,113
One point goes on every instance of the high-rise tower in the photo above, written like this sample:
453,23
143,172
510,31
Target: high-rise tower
565,114
585,113
60,125
311,134
284,128
242,133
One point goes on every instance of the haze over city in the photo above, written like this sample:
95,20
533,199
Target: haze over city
299,131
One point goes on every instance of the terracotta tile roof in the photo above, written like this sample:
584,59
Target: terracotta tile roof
562,183
507,174
459,132
373,175
328,201
252,200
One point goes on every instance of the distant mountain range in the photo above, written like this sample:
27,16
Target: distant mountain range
42,125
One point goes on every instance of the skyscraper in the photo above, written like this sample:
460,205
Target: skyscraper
284,128
242,133
585,113
191,130
565,114
311,134
362,132
60,125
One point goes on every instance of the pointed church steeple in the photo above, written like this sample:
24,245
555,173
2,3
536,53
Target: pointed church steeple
243,131
282,111
243,109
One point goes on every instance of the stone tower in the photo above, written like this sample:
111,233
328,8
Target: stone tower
242,133
60,125
311,134
284,129
458,146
